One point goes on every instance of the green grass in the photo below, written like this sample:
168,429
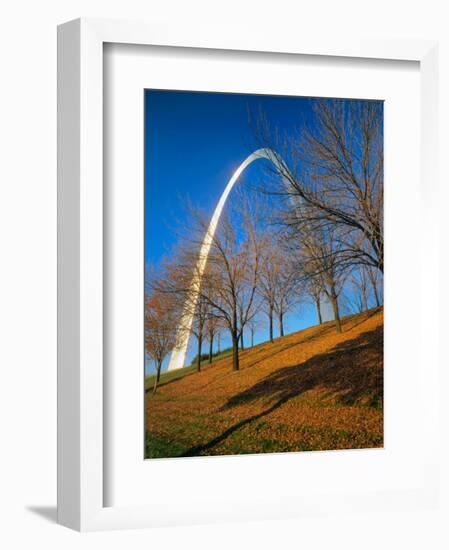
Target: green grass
251,440
167,377
157,447
215,355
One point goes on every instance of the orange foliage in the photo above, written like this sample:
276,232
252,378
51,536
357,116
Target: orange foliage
311,390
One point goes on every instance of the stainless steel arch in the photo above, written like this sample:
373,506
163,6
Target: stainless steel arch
178,355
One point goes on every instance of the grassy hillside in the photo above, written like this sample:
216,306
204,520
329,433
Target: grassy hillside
311,390
167,377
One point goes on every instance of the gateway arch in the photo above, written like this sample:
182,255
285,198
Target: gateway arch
178,356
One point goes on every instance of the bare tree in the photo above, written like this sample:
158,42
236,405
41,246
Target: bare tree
199,327
233,267
267,284
288,290
359,281
319,264
213,329
334,167
253,324
246,316
374,276
228,284
364,281
313,287
160,329
242,328
219,341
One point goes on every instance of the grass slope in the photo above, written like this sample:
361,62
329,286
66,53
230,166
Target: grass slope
311,390
167,377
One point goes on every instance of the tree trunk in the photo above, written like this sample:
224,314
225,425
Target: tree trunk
281,323
375,292
270,315
211,345
318,310
200,345
334,302
158,376
364,299
218,343
252,337
242,343
359,303
235,350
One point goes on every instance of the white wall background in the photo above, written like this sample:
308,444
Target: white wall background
28,268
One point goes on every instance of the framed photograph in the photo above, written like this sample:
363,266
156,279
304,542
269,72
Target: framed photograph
263,315
242,301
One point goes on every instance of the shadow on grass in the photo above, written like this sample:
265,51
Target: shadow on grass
262,351
193,451
363,317
352,370
270,349
168,378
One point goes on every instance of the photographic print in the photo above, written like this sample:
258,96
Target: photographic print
263,274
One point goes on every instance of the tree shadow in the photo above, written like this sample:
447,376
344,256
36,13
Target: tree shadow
351,371
163,383
193,451
270,349
267,350
363,317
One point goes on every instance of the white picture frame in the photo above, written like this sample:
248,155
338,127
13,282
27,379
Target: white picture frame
80,263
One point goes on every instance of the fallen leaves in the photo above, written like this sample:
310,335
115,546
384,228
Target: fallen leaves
312,390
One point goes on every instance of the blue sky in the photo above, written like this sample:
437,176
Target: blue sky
193,143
